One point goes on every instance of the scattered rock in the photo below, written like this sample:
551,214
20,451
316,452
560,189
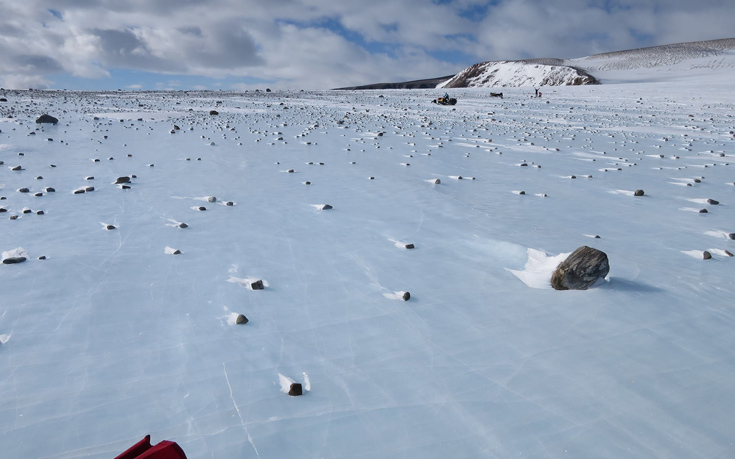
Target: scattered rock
706,255
122,180
638,193
580,270
213,112
731,236
295,389
703,211
728,253
46,119
183,225
712,202
42,257
13,260
211,199
409,246
257,285
406,296
23,190
241,319
110,227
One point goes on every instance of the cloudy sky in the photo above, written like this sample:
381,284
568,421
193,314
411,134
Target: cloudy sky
319,44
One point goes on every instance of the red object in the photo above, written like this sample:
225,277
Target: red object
143,450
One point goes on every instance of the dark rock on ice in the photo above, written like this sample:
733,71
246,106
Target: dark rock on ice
46,119
409,246
122,180
23,190
406,296
712,202
110,227
295,389
183,225
13,260
703,211
638,193
257,285
241,319
42,257
213,112
706,255
580,270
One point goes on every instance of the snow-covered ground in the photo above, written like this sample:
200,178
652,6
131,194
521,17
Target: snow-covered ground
114,335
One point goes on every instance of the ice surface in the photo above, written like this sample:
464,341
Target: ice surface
110,338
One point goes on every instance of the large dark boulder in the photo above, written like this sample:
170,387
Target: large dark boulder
13,260
295,390
580,270
46,119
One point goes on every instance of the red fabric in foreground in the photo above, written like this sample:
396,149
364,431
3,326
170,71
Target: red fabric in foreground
143,450
137,449
164,450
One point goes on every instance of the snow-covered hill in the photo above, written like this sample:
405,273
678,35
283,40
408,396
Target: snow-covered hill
668,62
516,74
695,60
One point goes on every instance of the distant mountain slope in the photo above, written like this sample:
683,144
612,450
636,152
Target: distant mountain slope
518,73
655,56
693,60
415,84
